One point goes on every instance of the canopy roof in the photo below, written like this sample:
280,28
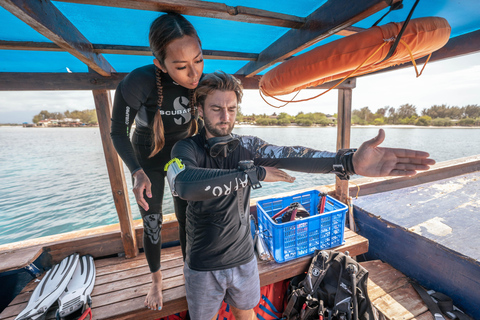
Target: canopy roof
54,44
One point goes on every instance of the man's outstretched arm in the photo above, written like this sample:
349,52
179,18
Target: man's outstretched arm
191,182
370,160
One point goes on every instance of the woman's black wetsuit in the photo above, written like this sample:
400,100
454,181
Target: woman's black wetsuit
136,99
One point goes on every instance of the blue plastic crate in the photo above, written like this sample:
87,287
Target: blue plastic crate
298,238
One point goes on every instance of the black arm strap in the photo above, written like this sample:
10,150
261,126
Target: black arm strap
393,6
399,36
343,166
432,306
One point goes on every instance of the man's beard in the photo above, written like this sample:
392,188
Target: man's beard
210,127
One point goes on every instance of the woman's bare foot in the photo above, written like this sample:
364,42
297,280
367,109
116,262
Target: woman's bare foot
154,299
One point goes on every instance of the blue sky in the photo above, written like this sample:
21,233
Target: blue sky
455,82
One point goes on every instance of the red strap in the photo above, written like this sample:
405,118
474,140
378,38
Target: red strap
87,312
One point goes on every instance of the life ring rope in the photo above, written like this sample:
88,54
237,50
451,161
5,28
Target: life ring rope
413,60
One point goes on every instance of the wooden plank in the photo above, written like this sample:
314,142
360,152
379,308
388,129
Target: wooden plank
122,290
140,261
348,31
135,272
103,105
132,306
383,278
403,303
121,49
205,9
439,171
95,246
344,124
329,19
392,294
18,258
10,81
46,19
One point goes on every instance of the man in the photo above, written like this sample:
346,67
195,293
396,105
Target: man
207,170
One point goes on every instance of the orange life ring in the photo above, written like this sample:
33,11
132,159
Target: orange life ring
337,59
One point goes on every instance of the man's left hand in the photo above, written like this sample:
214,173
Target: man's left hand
370,160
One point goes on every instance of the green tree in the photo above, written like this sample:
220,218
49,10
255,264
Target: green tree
283,116
407,111
365,114
357,120
472,111
306,122
392,115
467,122
382,112
423,121
442,122
44,115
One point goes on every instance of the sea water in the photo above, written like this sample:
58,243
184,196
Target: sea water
55,180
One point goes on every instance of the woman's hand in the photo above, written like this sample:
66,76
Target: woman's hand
141,183
274,175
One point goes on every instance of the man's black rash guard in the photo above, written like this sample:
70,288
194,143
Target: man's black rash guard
213,187
136,98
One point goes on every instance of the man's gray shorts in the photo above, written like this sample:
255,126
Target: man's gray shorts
238,286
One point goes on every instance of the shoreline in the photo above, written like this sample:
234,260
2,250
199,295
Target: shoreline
400,126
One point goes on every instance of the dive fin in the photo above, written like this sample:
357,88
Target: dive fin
77,294
49,289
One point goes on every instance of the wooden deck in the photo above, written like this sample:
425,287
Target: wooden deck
392,294
121,284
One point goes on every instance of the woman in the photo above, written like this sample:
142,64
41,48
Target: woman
159,98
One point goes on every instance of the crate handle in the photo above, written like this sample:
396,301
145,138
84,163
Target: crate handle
266,233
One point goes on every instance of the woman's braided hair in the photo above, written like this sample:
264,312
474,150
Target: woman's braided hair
164,30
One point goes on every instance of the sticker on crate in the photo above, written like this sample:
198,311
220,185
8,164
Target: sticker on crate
297,225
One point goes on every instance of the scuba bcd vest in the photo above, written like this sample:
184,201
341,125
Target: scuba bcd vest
335,287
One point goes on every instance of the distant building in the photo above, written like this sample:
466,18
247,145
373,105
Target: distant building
66,122
332,119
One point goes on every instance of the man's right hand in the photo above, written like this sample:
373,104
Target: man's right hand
274,175
141,183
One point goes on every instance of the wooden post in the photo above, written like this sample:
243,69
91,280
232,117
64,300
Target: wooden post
343,136
103,105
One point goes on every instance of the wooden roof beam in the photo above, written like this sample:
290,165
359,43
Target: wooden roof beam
329,19
121,49
205,9
33,81
46,19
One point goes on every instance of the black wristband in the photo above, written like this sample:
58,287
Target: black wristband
252,176
251,171
343,166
